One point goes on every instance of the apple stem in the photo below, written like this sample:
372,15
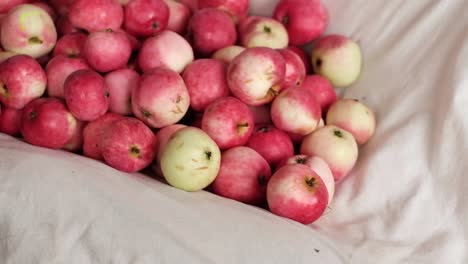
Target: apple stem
145,113
318,63
338,133
3,89
32,115
35,40
267,29
106,94
155,25
135,151
301,160
208,154
285,20
109,30
311,181
263,129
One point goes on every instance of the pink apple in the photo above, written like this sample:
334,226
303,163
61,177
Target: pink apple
64,26
336,146
256,75
96,15
21,80
86,94
243,176
273,144
107,50
29,30
44,5
71,45
261,114
135,43
144,18
128,145
163,136
93,133
200,73
5,55
120,84
296,111
322,90
179,15
192,4
305,20
295,69
227,54
210,30
6,5
298,193
237,9
167,49
229,122
76,141
257,31
354,117
58,69
161,98
46,122
303,55
10,121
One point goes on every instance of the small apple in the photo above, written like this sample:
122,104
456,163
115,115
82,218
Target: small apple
58,69
120,84
227,54
354,117
179,15
334,145
261,114
76,141
229,122
295,69
10,121
71,45
96,15
191,159
337,58
305,57
322,90
93,133
258,31
144,18
298,193
237,9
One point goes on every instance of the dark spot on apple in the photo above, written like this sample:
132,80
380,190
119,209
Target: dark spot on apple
300,160
32,115
267,29
318,63
298,83
106,94
338,133
285,20
208,154
311,182
72,55
178,99
155,25
317,250
109,30
35,40
262,181
145,113
135,150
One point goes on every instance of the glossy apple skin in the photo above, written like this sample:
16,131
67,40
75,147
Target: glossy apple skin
144,18
179,16
10,121
120,84
70,45
237,9
295,69
96,15
258,31
93,133
58,69
321,89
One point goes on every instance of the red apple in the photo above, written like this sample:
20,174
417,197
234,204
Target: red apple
261,114
120,84
10,121
229,122
163,136
86,95
71,45
64,26
96,15
179,15
305,57
227,54
243,176
295,69
76,141
258,31
46,122
93,133
128,145
200,73
6,5
298,193
21,80
144,18
58,69
237,9
322,90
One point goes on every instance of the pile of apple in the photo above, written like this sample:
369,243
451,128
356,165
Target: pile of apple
202,92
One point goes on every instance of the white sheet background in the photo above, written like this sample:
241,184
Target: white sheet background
403,203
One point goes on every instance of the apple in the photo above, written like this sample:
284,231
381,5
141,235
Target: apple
107,50
163,135
135,43
96,15
179,15
191,159
46,122
337,58
22,79
298,193
237,9
305,58
258,31
334,145
44,5
5,55
354,117
10,121
76,141
322,90
29,30
144,18
61,6
192,4
200,73
243,176
296,111
93,133
261,114
305,20
64,26
58,69
211,29
229,122
167,49
256,75
273,144
71,45
161,98
295,69
6,5
227,54
120,84
86,95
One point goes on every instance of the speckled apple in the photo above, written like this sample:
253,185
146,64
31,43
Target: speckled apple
120,84
179,15
227,54
93,133
295,69
322,90
71,45
10,121
144,18
257,31
58,69
237,9
96,15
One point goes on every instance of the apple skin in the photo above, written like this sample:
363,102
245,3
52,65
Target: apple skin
273,144
167,49
44,5
211,29
192,4
28,29
64,26
7,5
256,75
76,141
10,121
334,145
61,6
295,69
96,15
337,58
322,90
144,18
305,20
237,9
261,114
22,80
86,94
161,98
354,117
128,145
57,71
191,159
305,57
298,193
296,111
93,133
5,55
243,176
46,122
120,84
200,73
163,136
227,54
229,122
179,16
257,31
71,45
